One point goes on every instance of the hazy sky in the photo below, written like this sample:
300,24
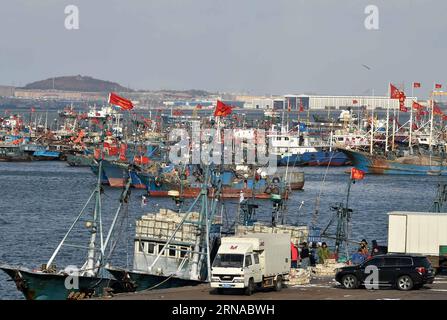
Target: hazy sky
255,46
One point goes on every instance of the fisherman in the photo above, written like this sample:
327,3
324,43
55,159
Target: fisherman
375,248
358,257
295,255
305,255
313,254
364,247
323,253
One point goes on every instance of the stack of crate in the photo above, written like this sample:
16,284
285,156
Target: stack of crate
298,234
327,268
160,226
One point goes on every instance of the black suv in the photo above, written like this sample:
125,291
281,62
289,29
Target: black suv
392,270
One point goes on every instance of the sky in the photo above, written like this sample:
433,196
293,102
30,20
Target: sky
245,46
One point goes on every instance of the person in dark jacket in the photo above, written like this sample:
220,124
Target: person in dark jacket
313,254
305,255
375,248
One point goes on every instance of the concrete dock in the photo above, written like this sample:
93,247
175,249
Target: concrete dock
318,289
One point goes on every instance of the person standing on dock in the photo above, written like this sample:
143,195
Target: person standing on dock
375,248
313,254
305,255
323,253
294,253
364,247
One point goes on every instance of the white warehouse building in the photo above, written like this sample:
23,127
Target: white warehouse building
315,102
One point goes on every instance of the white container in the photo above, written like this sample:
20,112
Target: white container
416,232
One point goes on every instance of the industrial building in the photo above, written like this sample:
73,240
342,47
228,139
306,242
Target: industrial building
315,102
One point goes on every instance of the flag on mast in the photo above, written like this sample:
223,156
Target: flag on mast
357,174
222,110
395,93
123,103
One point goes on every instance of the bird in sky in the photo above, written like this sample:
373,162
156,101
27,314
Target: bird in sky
366,67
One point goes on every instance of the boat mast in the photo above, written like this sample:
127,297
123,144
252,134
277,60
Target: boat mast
410,138
394,128
431,125
90,265
387,120
371,146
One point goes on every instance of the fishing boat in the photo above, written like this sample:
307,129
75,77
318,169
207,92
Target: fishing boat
234,181
173,249
91,279
410,165
13,153
300,149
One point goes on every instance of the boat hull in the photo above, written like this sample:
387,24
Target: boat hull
117,175
74,160
414,165
319,158
145,281
51,286
226,193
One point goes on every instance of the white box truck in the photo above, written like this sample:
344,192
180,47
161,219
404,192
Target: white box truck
422,233
257,260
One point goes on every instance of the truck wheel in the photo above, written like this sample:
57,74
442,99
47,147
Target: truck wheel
250,288
405,283
278,284
349,281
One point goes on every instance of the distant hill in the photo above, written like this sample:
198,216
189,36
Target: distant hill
77,83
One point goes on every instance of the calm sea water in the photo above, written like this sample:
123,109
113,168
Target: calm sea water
39,201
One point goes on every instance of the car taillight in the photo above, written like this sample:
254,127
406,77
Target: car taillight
421,270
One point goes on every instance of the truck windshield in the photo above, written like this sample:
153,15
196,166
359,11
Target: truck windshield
228,261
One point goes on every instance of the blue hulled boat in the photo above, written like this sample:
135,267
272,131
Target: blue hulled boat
409,165
318,158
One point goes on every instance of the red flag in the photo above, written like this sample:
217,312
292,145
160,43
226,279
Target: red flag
394,92
417,106
436,110
222,110
357,174
354,101
116,100
438,86
416,84
402,98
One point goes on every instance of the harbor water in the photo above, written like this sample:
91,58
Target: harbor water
39,201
